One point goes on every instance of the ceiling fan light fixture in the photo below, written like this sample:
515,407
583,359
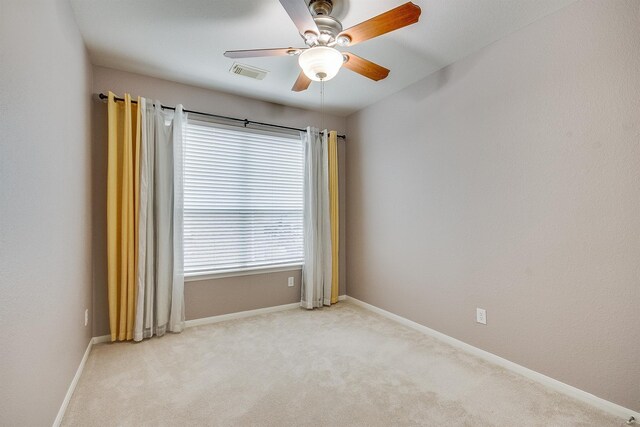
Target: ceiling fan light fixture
320,63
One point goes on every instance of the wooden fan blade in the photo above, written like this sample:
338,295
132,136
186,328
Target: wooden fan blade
365,67
391,20
253,53
302,83
300,15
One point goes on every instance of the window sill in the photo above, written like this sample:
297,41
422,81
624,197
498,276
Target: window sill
194,277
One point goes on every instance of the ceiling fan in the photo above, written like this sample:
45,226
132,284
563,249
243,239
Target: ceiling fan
321,32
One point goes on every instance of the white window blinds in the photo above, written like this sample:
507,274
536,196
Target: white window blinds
243,202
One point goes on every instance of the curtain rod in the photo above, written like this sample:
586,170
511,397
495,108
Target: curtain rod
245,121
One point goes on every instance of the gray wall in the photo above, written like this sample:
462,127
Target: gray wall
208,297
511,181
45,208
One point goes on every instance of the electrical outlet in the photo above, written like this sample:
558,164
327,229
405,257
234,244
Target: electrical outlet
481,316
86,317
291,282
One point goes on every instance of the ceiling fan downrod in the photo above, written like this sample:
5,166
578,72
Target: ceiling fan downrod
328,26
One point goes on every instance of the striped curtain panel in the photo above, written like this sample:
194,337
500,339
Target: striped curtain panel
334,209
144,219
320,272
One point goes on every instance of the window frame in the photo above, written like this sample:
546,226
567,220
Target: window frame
196,277
262,269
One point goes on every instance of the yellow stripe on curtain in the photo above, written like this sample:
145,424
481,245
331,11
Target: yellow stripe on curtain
334,209
122,206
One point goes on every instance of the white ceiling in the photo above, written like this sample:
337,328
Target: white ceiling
184,41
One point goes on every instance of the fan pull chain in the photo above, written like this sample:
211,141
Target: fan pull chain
322,104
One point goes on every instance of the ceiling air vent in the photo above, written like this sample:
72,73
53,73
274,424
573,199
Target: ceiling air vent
248,71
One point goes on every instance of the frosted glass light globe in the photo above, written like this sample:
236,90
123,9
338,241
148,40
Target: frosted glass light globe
320,62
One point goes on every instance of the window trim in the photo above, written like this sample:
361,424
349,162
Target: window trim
294,265
195,277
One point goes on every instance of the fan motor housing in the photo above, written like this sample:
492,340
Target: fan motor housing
328,25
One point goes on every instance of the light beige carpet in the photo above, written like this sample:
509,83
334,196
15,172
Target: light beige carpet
337,366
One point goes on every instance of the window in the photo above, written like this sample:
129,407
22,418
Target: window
242,199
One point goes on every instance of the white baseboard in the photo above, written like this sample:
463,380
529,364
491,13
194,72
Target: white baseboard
72,386
223,317
101,339
561,387
239,315
243,314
